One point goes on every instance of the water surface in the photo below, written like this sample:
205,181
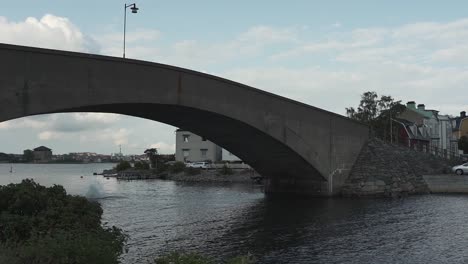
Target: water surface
228,220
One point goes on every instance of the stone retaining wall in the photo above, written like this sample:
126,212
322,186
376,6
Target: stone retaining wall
384,169
447,183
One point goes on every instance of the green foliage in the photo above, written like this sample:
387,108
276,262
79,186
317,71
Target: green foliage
162,167
141,165
45,225
28,155
463,144
192,171
163,158
377,113
177,167
225,170
123,165
152,154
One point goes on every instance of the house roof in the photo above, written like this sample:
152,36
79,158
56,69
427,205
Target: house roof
458,121
42,148
404,121
408,125
424,113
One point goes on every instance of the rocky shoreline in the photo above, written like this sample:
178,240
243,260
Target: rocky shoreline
215,176
238,176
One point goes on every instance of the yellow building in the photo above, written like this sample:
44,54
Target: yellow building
461,126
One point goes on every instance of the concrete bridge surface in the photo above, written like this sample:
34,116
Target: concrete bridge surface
300,149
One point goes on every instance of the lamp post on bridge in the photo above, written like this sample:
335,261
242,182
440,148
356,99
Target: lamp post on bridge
134,11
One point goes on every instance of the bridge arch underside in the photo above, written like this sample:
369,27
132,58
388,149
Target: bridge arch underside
285,171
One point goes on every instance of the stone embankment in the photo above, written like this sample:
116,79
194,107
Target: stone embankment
389,170
447,183
237,176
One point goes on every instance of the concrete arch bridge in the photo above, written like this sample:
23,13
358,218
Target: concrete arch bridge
299,148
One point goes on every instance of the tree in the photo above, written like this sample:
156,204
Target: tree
28,155
463,144
177,167
152,154
377,113
141,165
367,109
123,165
225,170
46,225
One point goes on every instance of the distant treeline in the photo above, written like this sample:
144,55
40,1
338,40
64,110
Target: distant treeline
11,158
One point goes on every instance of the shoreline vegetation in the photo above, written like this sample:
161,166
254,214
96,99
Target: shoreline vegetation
42,225
178,171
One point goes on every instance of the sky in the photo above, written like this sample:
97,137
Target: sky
322,53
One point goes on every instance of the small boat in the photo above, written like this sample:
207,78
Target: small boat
11,169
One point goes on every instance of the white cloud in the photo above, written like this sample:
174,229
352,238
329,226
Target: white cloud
264,35
336,24
195,53
104,118
315,86
48,135
48,32
27,122
120,136
140,43
164,147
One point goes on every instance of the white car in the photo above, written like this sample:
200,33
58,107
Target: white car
201,165
460,169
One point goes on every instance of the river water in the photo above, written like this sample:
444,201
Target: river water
227,220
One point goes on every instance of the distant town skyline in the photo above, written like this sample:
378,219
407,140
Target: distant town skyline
322,54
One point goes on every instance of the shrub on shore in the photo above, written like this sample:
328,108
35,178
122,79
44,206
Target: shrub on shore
177,167
123,165
141,165
46,225
225,170
192,171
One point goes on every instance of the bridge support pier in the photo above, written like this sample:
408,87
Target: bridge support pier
278,186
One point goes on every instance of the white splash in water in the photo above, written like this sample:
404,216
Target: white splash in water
95,191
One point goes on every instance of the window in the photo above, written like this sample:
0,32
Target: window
186,152
186,138
203,152
203,139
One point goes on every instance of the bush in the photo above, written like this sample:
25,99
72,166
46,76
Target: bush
141,165
162,167
123,165
46,225
177,167
225,170
192,171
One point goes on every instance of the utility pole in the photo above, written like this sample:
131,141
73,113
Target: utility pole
391,130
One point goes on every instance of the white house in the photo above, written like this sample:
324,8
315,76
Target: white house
191,148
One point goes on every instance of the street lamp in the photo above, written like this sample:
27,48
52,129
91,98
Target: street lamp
134,11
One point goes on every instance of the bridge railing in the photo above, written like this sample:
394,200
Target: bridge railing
426,147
